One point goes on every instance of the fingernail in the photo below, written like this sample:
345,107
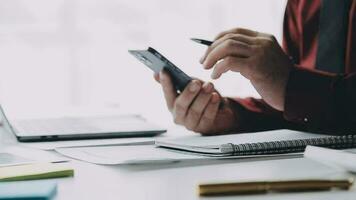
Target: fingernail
194,87
207,87
205,65
214,75
215,98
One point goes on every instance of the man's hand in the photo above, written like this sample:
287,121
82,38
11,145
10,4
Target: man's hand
197,107
257,56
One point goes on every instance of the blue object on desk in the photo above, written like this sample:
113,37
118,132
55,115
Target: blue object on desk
27,190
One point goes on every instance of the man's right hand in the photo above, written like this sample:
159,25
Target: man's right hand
197,107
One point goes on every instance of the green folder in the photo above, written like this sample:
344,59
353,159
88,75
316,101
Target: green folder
35,171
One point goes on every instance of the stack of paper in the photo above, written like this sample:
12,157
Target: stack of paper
142,154
147,154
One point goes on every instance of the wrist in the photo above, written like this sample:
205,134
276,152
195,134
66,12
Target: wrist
238,113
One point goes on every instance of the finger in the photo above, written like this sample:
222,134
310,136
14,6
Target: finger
208,118
242,31
197,108
195,78
229,63
225,49
230,36
184,100
156,77
170,93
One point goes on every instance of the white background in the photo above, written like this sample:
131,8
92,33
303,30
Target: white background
61,53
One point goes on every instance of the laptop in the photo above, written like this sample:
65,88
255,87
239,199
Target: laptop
74,128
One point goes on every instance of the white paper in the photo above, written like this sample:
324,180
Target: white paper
7,159
341,158
91,142
34,155
145,154
141,154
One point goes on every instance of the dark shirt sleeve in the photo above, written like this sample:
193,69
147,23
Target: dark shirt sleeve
321,102
256,115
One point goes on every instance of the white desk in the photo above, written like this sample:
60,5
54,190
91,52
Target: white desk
179,181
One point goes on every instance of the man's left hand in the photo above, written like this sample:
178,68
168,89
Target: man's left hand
257,56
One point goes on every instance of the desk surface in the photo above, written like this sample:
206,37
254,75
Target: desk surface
179,181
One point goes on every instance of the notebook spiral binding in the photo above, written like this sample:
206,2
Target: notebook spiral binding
288,146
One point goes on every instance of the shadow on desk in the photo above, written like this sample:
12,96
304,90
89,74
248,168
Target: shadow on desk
194,163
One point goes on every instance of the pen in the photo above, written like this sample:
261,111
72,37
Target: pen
200,41
272,186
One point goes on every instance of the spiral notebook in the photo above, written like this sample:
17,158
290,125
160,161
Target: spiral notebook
261,143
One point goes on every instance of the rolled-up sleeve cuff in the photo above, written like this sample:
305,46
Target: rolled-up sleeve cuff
308,96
